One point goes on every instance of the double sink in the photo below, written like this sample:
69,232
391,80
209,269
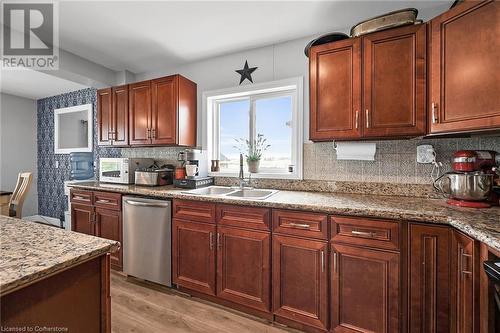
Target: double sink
232,192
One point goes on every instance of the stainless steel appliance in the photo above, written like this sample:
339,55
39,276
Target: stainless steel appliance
155,176
471,182
121,170
147,239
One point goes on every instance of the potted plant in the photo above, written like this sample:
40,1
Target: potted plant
253,151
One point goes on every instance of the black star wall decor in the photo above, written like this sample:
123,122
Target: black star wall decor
246,72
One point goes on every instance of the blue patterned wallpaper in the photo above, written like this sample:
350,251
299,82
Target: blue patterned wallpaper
51,199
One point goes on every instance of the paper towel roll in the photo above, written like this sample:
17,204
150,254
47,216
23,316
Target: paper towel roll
353,150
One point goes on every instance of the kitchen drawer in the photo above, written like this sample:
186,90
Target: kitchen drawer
312,225
245,217
382,234
108,200
81,197
196,211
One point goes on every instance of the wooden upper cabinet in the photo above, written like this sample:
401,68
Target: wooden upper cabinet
335,90
300,280
394,82
465,68
104,117
139,113
429,278
120,116
464,282
244,267
365,290
164,111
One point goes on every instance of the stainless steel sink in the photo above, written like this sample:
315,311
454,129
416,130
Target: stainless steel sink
210,190
252,194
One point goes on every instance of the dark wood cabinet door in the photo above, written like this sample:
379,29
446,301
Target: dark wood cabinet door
243,267
335,90
120,116
108,224
104,117
464,283
193,247
140,113
429,278
465,67
300,280
394,82
365,290
164,111
82,219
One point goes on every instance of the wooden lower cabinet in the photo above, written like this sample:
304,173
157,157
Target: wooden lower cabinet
429,278
193,247
464,283
365,290
109,225
243,267
82,219
300,280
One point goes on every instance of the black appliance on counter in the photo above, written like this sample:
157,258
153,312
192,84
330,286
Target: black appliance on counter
194,182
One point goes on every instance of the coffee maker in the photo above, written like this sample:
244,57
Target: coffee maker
471,183
196,157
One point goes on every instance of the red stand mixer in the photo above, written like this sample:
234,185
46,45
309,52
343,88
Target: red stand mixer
471,183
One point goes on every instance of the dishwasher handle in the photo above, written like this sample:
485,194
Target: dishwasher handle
146,204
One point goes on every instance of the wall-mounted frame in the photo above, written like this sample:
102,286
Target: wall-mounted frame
73,129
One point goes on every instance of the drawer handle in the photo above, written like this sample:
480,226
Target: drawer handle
300,225
103,201
77,197
363,233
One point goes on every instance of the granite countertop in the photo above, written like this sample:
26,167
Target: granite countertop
481,224
30,251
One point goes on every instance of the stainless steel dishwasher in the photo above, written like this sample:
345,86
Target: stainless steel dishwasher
147,239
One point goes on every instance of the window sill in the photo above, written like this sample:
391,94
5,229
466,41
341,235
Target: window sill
262,175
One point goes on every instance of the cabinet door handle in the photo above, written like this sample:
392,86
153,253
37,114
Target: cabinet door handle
367,118
300,225
148,133
211,241
335,261
322,261
153,133
363,233
218,240
434,115
357,119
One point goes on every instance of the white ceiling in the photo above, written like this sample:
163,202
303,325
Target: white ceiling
143,36
34,85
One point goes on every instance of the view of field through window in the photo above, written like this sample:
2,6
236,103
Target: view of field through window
273,116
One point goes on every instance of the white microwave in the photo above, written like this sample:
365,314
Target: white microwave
121,170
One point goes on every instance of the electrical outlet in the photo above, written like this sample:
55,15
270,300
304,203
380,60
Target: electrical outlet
56,165
426,154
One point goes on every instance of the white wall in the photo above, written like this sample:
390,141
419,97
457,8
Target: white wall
274,62
18,145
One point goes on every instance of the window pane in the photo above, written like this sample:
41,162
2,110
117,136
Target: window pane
274,121
234,124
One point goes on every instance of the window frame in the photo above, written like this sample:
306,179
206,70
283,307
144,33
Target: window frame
288,87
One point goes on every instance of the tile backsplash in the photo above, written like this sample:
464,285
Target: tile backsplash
395,160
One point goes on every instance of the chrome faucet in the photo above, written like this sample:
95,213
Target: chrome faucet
242,183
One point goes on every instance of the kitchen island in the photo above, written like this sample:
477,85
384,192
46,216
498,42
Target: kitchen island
52,279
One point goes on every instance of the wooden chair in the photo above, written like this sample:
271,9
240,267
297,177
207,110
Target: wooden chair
16,202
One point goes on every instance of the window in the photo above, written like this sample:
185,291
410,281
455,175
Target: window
271,113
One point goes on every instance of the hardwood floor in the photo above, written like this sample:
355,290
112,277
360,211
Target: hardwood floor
136,308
